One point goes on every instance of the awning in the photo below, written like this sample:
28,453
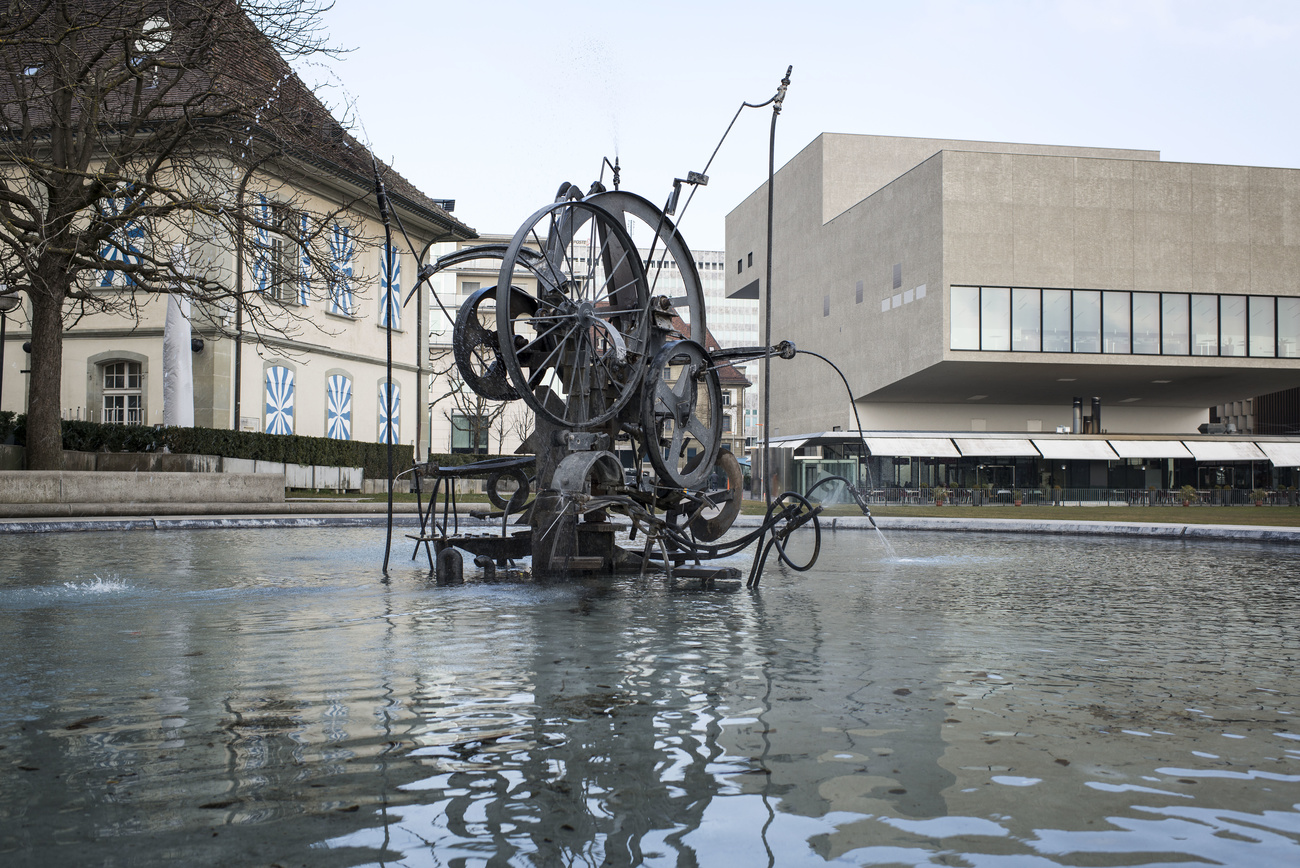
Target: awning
990,448
912,447
1281,454
1224,450
1149,449
1072,450
789,444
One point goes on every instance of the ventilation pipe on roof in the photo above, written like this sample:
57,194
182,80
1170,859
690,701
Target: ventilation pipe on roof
1076,426
1096,416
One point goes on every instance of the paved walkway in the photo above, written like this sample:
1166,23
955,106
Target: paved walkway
374,515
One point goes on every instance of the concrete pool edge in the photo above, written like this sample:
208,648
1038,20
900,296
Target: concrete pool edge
1224,533
1159,530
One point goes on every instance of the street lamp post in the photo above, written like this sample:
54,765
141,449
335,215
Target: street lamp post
7,304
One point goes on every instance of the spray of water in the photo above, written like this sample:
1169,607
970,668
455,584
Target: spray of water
100,585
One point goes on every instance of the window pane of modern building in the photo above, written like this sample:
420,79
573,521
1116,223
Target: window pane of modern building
463,434
1146,323
1232,325
1056,321
965,313
1205,325
1115,322
1087,320
1263,326
1026,320
1288,328
1175,327
995,318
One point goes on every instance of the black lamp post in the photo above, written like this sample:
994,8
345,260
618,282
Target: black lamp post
7,303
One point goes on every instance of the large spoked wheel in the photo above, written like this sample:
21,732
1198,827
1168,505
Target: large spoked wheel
671,268
477,349
586,340
681,414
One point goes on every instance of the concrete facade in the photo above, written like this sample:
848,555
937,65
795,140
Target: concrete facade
873,233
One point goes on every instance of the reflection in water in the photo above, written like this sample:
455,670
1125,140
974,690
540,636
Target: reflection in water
262,697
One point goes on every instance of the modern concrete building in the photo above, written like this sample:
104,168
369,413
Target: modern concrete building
981,287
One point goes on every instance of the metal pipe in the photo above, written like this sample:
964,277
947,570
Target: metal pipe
767,294
1076,426
1096,415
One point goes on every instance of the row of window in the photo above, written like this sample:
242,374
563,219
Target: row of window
1029,320
124,396
281,386
278,266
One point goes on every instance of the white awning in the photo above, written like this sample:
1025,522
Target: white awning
1224,450
991,448
1281,454
1071,450
1149,449
912,447
789,444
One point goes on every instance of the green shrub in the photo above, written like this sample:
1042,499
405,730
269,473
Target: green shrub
291,448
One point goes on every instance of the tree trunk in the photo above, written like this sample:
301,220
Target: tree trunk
44,426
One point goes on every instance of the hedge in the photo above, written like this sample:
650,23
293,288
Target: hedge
291,448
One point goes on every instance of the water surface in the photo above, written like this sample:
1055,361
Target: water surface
266,697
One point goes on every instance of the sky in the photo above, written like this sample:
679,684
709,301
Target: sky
495,104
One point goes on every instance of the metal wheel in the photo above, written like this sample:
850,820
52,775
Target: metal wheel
586,340
787,537
681,418
671,269
712,524
476,348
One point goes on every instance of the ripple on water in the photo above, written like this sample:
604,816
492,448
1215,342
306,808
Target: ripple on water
273,688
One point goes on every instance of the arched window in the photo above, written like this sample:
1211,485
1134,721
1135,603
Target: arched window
338,407
390,427
279,400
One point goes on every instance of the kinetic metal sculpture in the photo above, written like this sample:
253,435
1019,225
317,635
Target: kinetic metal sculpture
603,362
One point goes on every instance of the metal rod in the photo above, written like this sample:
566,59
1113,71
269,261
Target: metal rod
767,311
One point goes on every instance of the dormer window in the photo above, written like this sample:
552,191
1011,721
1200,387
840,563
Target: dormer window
155,34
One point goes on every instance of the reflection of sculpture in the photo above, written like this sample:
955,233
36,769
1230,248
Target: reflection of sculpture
627,405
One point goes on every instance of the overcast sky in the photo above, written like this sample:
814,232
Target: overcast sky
495,104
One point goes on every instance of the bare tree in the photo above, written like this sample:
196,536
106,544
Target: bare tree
479,413
522,424
140,142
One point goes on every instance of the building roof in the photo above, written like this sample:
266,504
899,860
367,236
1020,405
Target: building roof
201,69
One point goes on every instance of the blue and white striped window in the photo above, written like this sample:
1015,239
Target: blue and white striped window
390,287
304,264
341,249
390,425
261,264
338,408
123,245
279,400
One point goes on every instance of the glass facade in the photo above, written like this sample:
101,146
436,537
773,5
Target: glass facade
1029,320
